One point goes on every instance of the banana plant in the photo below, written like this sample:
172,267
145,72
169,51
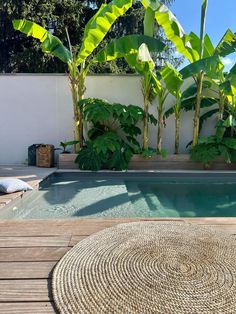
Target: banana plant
173,81
152,87
228,94
203,57
138,57
78,61
190,46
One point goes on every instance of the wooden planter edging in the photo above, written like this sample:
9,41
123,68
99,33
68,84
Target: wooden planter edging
67,161
172,162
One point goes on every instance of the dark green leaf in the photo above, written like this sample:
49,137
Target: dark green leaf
229,142
211,66
204,153
225,153
206,116
96,110
88,159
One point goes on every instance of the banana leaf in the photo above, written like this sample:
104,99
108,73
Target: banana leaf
50,44
232,75
169,112
190,103
203,26
99,25
227,44
211,66
126,45
227,88
191,90
206,116
172,79
172,28
149,22
209,49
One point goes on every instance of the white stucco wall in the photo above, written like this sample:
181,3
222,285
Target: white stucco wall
38,109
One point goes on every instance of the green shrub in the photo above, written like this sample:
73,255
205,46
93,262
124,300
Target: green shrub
112,137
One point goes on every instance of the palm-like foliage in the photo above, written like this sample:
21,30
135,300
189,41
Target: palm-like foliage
79,62
203,57
95,31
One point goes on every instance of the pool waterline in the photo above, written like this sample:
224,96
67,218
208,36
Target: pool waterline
131,194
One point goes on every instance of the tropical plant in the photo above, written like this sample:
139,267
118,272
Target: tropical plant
152,87
211,147
140,60
203,57
78,61
173,81
185,101
112,135
66,144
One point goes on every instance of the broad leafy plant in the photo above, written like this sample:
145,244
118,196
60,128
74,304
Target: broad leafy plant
141,61
185,101
79,62
173,81
203,57
112,135
210,148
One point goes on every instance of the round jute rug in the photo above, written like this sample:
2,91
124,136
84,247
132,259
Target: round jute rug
149,267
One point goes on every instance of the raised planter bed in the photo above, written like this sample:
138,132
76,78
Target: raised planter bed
172,162
67,161
176,162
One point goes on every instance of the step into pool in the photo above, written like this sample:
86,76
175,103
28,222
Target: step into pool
109,195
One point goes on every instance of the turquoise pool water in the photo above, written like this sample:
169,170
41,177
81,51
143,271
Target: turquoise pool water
77,195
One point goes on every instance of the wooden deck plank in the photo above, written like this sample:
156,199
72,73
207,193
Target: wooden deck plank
26,270
25,290
85,227
60,227
54,241
30,249
27,308
36,254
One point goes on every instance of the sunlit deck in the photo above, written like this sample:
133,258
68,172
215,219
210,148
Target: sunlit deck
29,250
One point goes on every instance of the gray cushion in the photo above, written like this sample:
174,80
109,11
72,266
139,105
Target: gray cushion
13,185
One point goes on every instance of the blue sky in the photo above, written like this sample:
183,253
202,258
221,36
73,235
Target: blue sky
220,16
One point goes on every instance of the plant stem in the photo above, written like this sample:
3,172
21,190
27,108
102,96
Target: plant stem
81,91
221,106
197,108
159,131
177,128
74,91
146,96
160,122
145,124
160,119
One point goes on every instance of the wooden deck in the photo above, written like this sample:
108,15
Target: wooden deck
32,175
30,249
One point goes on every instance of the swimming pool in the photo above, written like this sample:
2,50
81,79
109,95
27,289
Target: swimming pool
84,195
